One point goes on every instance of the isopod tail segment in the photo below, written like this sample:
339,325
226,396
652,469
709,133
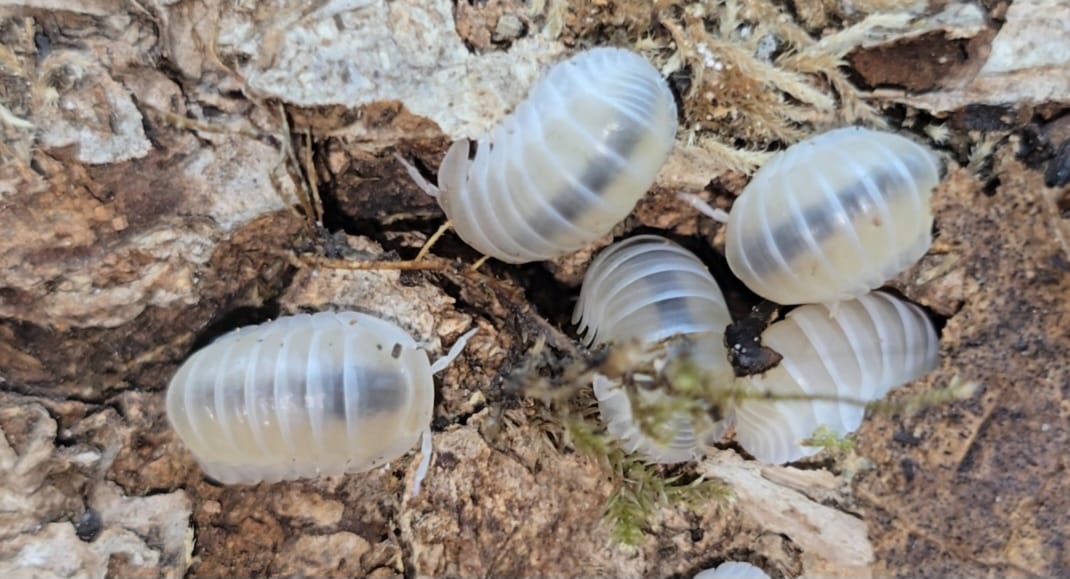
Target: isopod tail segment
425,440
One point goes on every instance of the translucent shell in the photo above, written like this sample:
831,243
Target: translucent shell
733,570
304,395
568,165
859,349
833,217
647,288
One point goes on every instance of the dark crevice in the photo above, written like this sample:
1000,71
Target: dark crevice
408,562
237,318
733,445
428,173
938,320
441,423
551,299
679,82
335,219
48,396
1058,173
230,319
821,461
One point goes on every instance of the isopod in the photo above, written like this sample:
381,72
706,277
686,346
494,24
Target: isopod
647,288
857,350
833,217
305,395
733,570
568,165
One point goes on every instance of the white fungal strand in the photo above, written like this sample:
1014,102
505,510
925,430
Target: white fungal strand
833,217
733,570
301,396
647,289
568,165
855,350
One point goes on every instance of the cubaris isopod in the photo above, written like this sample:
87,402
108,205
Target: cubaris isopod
305,395
568,165
858,350
733,570
647,288
833,217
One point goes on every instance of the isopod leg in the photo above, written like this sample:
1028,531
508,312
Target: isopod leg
425,462
718,215
414,174
455,350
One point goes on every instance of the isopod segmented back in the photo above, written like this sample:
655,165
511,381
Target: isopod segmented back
833,217
857,349
733,570
568,165
647,288
327,393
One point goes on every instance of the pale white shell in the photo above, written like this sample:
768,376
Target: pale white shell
568,165
733,570
833,217
647,288
858,349
300,396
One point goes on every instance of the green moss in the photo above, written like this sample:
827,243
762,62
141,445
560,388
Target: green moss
641,489
825,438
587,440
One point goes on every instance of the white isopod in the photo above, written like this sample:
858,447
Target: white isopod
859,349
305,395
647,288
568,165
733,570
833,217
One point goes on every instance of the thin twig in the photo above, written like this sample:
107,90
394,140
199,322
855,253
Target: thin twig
426,264
304,196
311,178
442,229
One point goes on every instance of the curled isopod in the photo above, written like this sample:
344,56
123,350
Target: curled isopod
647,289
305,395
733,570
833,217
569,164
856,350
